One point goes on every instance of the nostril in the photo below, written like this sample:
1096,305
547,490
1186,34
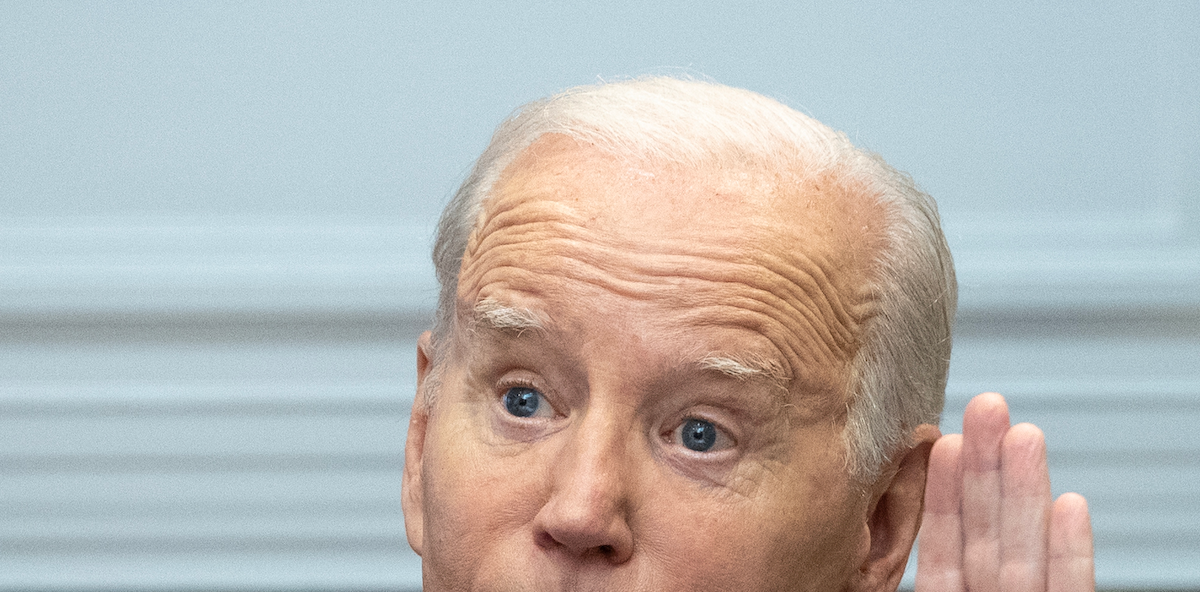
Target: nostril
606,550
545,540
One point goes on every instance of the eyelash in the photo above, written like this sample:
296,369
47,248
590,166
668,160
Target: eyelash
512,382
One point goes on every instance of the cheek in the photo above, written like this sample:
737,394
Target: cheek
798,529
729,549
819,529
477,505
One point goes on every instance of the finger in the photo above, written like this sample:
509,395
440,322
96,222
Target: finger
1071,566
984,425
1024,509
939,547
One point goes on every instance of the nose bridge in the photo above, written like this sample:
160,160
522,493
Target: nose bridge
586,512
592,466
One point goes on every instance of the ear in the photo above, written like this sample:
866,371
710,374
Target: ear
894,516
412,494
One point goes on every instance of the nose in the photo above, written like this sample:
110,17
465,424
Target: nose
586,514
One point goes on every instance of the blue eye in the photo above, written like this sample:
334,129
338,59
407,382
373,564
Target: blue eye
698,435
522,401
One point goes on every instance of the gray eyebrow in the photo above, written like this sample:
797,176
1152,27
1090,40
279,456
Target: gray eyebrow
492,314
748,368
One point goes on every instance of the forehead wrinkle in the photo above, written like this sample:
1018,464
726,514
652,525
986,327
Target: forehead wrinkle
799,291
784,317
811,370
842,310
799,284
517,216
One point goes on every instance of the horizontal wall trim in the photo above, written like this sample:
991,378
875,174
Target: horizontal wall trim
215,325
109,544
169,267
1079,394
51,268
324,463
102,397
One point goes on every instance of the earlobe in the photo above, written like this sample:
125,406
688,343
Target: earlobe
412,495
895,516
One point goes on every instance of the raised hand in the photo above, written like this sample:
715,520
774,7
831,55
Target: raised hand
989,524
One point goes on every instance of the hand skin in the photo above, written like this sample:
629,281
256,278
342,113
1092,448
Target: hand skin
989,523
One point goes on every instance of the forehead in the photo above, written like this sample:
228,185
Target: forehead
640,200
726,249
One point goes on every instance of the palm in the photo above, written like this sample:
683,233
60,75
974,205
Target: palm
989,523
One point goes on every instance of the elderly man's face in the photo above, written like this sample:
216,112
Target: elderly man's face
647,386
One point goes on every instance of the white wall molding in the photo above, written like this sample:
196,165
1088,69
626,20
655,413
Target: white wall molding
188,266
157,267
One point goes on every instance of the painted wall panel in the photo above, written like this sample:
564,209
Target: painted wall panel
215,218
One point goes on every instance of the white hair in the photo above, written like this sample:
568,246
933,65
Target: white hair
898,376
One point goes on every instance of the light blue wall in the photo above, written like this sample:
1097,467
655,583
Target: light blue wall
214,220
377,108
